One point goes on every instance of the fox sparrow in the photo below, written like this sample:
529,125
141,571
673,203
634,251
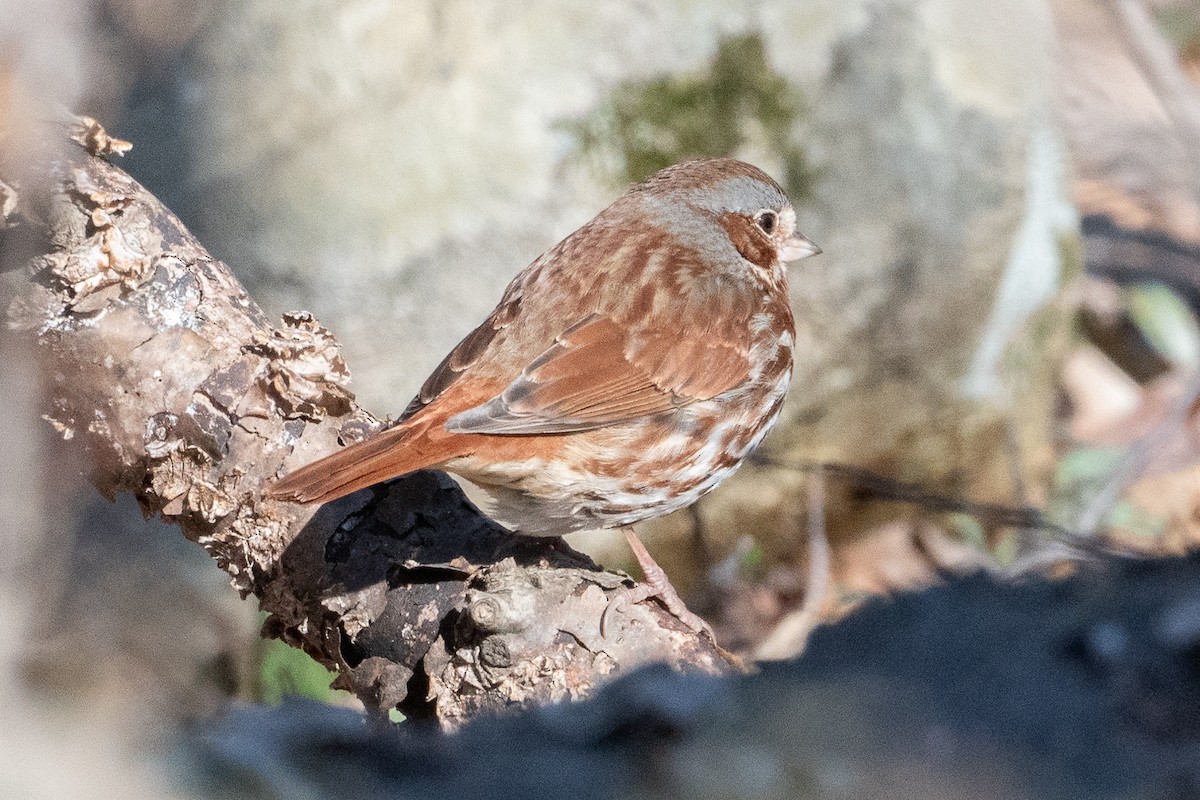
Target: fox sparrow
625,372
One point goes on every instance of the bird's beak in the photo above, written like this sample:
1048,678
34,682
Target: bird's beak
796,247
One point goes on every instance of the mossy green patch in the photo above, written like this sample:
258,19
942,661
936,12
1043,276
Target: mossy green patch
739,99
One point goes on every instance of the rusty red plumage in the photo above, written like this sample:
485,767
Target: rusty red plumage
624,373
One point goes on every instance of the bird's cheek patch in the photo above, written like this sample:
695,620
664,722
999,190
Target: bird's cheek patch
748,239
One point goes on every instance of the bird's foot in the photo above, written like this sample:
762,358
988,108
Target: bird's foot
655,585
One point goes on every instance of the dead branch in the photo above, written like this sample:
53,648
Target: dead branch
182,391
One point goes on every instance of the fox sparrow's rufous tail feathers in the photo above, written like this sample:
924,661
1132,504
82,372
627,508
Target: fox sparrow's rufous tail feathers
394,452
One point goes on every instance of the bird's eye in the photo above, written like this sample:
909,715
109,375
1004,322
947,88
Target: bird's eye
767,220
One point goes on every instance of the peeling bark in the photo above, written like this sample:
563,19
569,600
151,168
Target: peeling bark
183,392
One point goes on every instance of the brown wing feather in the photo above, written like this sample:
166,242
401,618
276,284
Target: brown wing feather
598,374
680,338
466,352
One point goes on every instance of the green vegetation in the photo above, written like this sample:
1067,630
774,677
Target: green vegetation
1180,23
738,100
1081,473
1167,323
287,671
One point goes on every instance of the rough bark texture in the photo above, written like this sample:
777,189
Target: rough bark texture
184,393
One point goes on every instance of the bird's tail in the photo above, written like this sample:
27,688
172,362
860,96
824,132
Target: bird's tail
387,455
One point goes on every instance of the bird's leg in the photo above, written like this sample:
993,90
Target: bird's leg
655,584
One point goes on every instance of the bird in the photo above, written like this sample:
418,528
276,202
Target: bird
624,373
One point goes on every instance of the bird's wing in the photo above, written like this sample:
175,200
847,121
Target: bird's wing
599,373
466,352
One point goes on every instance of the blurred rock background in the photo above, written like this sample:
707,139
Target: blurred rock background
390,166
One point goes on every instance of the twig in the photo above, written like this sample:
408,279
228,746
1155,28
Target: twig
1160,66
1136,459
790,635
881,487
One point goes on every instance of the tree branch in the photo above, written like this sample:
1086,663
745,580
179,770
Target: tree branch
184,393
